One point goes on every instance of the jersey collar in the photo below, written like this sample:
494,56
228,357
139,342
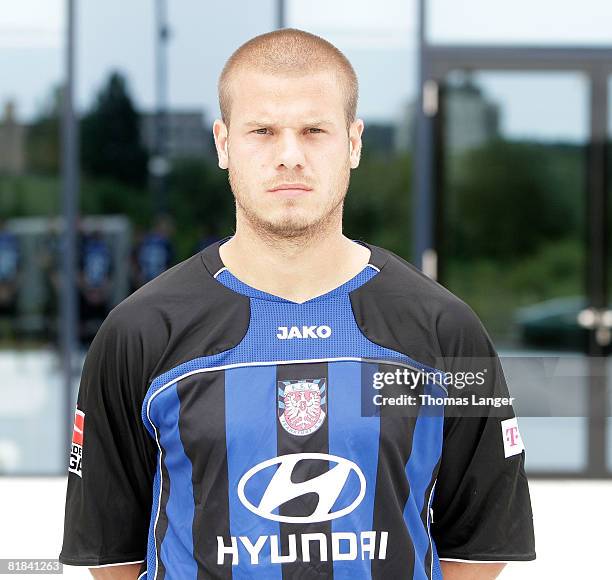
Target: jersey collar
213,263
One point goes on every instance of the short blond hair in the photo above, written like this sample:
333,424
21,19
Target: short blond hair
290,52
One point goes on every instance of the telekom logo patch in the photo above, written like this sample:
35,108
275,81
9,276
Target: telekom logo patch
513,443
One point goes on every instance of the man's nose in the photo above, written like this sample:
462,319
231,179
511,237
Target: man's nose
289,150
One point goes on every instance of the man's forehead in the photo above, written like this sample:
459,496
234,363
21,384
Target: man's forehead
253,84
274,119
312,107
267,111
262,98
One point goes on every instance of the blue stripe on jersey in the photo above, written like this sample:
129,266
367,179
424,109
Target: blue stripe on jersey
437,570
425,453
361,446
176,549
250,418
151,551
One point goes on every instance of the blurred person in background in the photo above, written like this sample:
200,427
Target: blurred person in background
207,237
219,429
95,282
49,261
153,253
10,264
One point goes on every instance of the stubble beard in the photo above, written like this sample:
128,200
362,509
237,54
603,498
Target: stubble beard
298,229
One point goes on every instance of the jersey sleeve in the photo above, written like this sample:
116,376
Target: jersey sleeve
112,456
481,508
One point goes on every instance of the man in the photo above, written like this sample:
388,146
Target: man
10,274
226,424
153,254
94,282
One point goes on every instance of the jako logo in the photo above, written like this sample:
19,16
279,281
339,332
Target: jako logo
327,486
285,332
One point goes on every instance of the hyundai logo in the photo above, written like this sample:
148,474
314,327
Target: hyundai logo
281,489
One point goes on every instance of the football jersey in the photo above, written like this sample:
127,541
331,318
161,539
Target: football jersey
225,432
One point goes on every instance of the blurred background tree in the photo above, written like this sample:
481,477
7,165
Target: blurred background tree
378,207
43,137
110,136
493,185
514,226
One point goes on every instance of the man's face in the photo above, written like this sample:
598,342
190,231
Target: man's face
288,131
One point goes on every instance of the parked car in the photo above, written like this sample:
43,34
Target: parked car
553,324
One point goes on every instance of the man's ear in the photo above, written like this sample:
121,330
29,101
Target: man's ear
220,133
355,131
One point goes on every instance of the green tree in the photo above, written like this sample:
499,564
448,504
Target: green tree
378,206
110,136
201,201
43,137
505,199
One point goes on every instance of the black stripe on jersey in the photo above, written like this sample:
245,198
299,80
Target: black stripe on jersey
317,442
395,444
202,431
162,521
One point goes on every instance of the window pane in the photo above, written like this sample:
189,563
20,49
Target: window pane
514,200
32,408
519,22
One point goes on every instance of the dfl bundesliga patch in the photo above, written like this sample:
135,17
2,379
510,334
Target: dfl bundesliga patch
76,447
302,405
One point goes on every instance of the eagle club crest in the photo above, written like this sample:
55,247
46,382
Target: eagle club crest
302,405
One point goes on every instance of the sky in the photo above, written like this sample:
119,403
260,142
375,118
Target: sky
380,40
117,34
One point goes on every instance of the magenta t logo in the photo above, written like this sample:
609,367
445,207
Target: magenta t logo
511,437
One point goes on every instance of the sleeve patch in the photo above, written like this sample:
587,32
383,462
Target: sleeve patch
76,447
513,443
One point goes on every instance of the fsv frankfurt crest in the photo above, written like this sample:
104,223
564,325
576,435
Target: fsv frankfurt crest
302,405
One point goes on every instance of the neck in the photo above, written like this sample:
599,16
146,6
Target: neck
297,268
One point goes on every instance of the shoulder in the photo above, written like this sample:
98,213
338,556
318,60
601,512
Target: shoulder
175,282
421,314
182,314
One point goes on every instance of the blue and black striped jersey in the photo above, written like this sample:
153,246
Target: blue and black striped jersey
224,432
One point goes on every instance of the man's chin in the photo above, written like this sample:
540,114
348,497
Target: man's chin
288,222
287,228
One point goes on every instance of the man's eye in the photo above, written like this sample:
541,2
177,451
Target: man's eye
263,131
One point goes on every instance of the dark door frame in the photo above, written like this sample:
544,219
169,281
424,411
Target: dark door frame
595,63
